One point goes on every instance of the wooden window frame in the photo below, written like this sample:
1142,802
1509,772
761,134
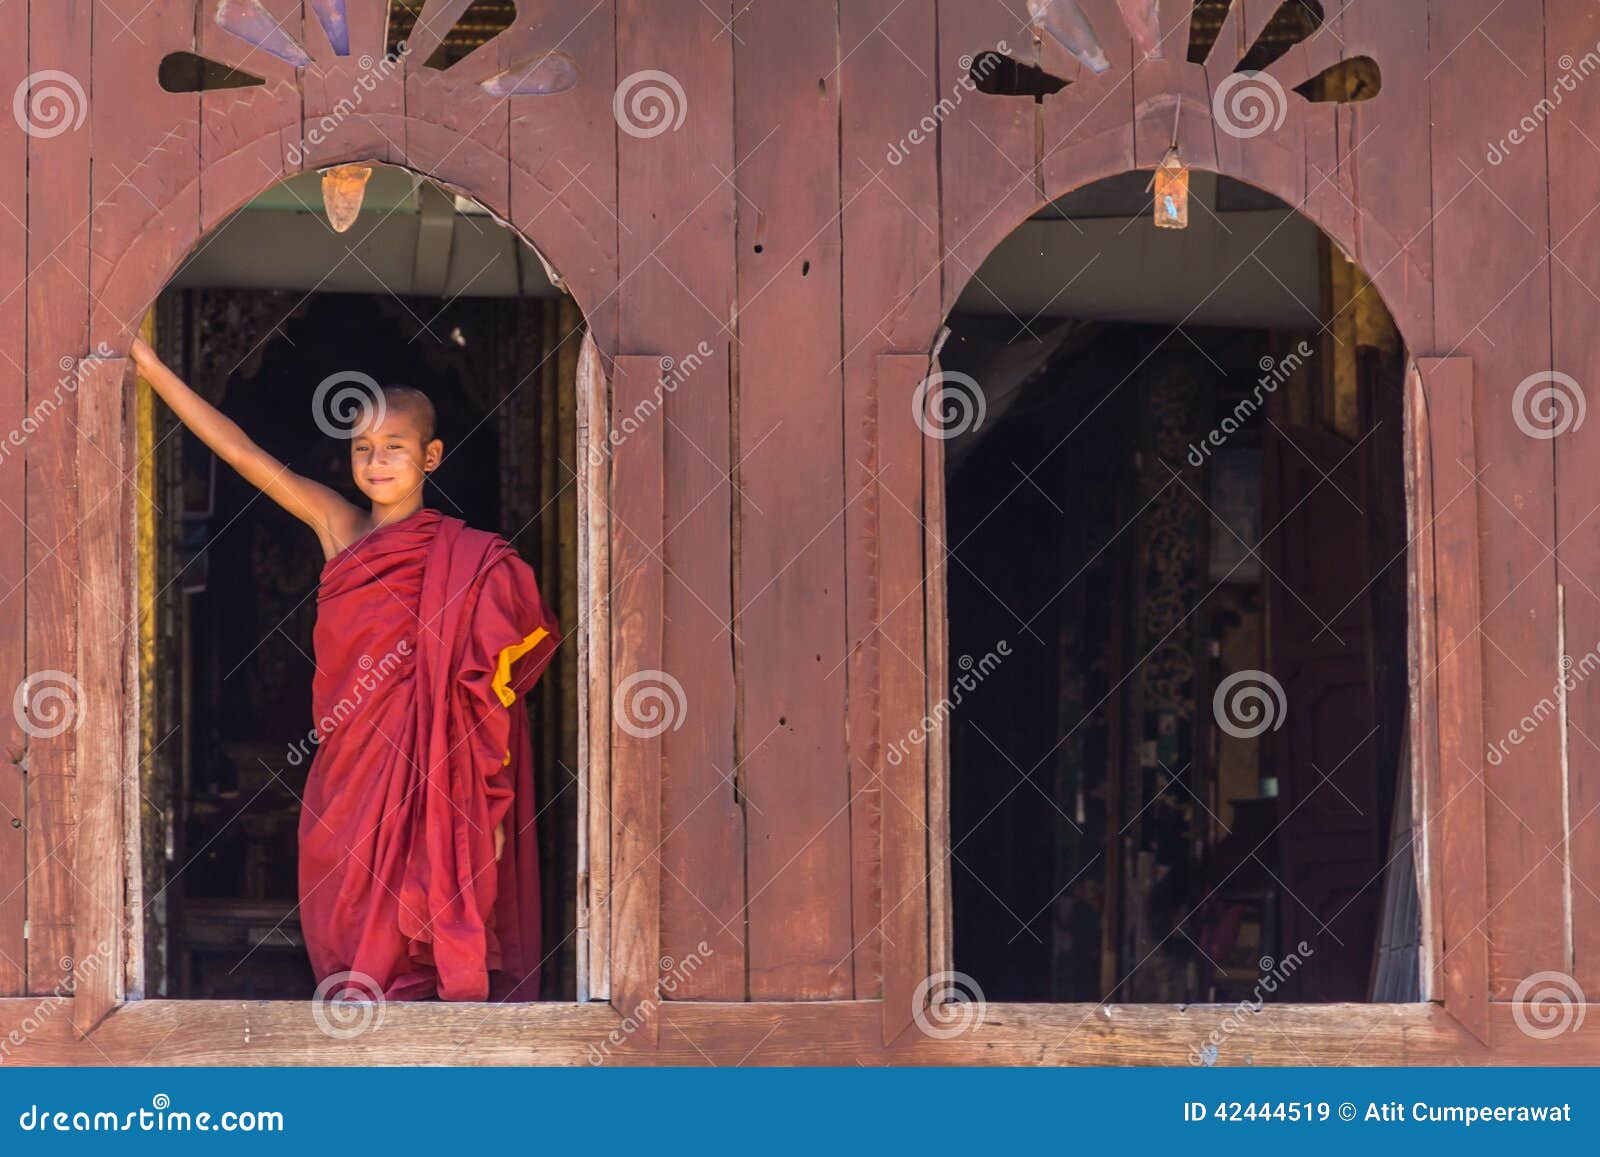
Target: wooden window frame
107,913
1446,716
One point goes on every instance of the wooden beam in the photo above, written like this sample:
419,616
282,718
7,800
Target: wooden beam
103,638
904,695
638,574
247,1033
594,678
1457,817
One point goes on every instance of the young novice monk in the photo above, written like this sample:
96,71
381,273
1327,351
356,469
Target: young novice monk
418,863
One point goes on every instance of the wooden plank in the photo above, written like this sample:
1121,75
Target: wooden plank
904,694
250,138
792,505
13,408
676,297
936,613
594,678
1458,815
1492,304
146,170
1422,648
644,703
249,1033
891,301
564,160
988,145
103,634
1087,129
1394,239
1160,86
352,106
58,334
455,131
1571,31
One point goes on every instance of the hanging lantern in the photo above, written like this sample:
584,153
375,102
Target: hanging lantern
1172,192
343,189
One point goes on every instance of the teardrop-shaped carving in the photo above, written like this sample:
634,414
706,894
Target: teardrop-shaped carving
543,75
186,72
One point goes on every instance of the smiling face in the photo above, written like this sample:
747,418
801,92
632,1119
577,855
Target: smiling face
390,459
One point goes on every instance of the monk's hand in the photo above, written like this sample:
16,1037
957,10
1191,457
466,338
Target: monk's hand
499,841
143,356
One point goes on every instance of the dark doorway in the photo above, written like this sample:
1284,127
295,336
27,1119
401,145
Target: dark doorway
1187,782
235,597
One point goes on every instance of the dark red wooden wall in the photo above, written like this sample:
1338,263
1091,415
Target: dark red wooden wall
778,507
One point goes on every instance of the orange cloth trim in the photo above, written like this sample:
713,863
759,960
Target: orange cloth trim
508,656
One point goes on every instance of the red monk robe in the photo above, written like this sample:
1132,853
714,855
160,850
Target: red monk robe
427,632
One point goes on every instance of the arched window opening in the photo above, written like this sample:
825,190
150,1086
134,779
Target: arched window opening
1177,660
425,289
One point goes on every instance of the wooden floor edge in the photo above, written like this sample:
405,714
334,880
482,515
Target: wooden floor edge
38,1031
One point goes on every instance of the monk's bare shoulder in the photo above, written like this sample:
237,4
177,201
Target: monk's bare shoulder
344,527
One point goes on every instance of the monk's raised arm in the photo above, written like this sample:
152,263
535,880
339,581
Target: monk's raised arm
323,509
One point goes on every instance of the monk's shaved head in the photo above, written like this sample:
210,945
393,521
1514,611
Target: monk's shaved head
414,404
